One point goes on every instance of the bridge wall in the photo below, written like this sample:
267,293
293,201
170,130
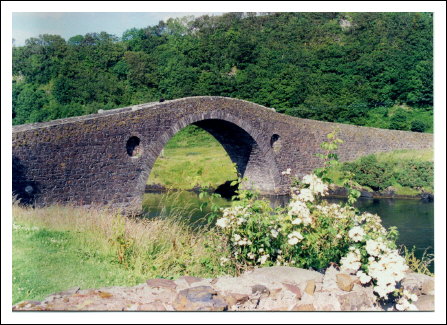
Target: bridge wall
93,159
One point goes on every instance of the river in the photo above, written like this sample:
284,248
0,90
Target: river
413,218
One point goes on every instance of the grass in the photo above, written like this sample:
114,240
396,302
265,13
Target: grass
396,159
191,158
57,248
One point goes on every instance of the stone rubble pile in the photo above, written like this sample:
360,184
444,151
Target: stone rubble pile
264,289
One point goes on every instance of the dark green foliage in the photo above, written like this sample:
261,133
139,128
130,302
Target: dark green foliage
368,171
303,64
416,174
399,121
418,126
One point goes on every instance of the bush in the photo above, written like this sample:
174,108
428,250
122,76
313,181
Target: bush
418,126
415,174
368,171
311,233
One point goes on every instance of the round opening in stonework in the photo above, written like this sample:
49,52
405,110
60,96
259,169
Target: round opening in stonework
133,147
275,142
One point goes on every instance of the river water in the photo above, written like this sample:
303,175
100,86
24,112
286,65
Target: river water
413,218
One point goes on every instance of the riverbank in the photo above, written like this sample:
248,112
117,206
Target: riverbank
262,289
334,192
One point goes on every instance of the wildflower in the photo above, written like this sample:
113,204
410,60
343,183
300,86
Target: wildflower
356,234
263,258
240,221
223,222
306,195
316,185
274,233
251,256
236,237
294,238
364,278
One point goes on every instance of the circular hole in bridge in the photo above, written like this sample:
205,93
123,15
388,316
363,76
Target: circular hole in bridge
133,147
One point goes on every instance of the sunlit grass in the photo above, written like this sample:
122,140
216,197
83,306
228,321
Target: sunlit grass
57,248
190,160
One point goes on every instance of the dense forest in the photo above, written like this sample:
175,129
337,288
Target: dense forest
373,69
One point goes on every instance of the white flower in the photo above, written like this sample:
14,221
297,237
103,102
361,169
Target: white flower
351,261
316,185
251,256
274,233
240,221
293,241
306,195
296,221
294,238
356,233
364,278
236,237
223,222
300,210
263,258
261,250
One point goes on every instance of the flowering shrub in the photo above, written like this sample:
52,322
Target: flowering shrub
312,233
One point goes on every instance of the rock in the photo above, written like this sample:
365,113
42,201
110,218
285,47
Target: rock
161,283
203,298
236,299
428,286
306,307
355,301
366,194
330,280
152,306
287,274
326,301
425,303
294,289
191,279
345,282
310,287
416,283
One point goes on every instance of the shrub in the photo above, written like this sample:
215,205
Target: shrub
415,174
368,171
311,233
418,126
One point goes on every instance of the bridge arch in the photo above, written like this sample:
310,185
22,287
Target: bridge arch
246,146
106,158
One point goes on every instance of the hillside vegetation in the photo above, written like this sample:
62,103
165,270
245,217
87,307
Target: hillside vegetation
372,69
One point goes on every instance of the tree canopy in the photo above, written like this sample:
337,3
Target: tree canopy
373,69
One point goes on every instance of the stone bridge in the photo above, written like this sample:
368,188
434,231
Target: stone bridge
106,158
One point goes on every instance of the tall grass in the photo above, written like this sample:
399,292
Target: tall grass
136,249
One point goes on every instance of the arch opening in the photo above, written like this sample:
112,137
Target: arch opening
253,160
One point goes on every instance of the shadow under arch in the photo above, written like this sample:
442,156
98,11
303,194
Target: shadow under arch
246,146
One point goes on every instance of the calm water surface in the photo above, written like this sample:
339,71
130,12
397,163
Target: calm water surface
413,218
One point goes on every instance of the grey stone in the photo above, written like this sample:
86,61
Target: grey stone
425,303
73,160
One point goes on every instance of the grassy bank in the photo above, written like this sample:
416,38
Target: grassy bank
407,172
57,248
192,157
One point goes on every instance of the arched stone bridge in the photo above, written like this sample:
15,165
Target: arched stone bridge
106,158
